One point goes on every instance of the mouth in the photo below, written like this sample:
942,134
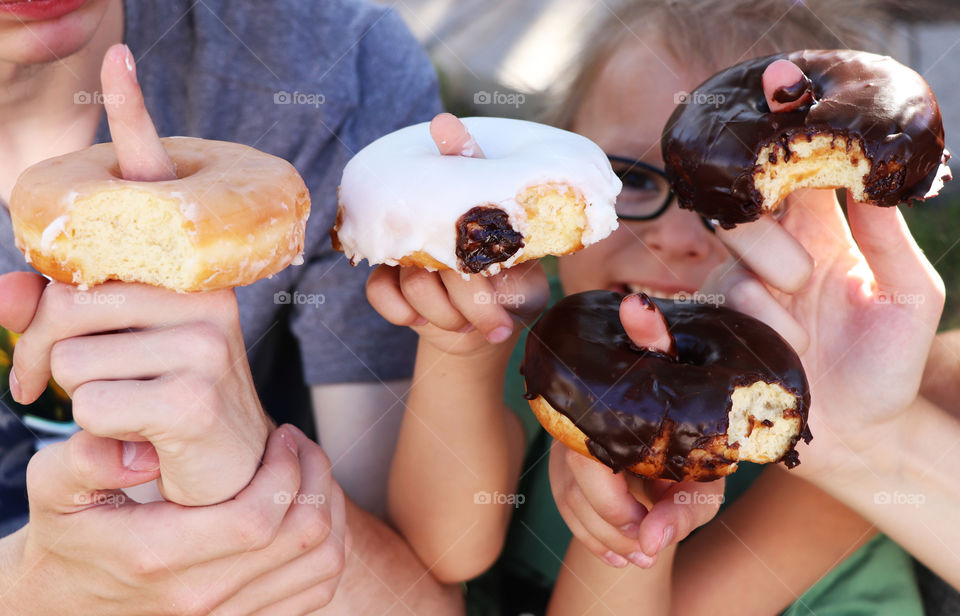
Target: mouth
674,293
40,9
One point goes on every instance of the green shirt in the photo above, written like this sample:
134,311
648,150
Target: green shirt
878,579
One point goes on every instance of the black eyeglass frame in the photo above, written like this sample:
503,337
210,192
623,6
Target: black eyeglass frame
667,200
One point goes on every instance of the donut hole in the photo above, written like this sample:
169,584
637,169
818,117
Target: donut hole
183,169
763,422
817,161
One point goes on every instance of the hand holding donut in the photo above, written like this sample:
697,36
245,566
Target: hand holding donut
619,517
863,319
177,379
456,315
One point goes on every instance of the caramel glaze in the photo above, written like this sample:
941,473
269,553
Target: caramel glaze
710,149
579,358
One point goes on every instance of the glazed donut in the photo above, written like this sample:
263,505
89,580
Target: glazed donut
688,415
868,124
233,216
540,191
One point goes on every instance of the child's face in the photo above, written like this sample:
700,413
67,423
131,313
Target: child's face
624,114
48,33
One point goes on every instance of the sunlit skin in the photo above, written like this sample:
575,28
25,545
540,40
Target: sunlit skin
674,252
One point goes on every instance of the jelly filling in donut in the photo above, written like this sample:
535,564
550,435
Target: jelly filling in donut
485,237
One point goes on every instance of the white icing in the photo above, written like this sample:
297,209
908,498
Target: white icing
400,196
53,231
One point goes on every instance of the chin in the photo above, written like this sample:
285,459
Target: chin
43,42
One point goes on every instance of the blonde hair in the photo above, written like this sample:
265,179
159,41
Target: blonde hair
714,34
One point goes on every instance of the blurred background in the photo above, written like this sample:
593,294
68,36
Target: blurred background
511,57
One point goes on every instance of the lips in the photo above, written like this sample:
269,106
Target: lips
39,10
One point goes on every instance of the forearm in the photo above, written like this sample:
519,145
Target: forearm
906,485
941,375
382,575
782,535
587,585
457,452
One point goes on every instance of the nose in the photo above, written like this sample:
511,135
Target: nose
678,236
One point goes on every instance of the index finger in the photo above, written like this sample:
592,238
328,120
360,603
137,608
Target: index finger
139,150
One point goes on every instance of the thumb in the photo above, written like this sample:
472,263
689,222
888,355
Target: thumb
453,138
786,87
139,150
19,297
645,324
66,477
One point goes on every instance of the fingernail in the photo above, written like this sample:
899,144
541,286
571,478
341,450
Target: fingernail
420,321
500,334
643,300
14,385
631,530
145,462
640,559
668,534
615,560
287,440
466,329
128,60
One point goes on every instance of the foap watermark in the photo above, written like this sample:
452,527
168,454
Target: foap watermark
513,300
97,98
498,498
896,497
96,298
284,298
710,299
698,98
499,98
697,498
313,99
900,299
286,498
114,499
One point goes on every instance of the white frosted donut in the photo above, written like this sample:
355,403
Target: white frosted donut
401,201
233,216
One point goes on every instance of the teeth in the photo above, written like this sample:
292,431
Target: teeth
636,288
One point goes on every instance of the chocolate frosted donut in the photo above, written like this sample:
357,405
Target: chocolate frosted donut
734,389
866,123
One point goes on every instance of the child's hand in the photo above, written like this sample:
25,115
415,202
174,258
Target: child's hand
619,517
457,315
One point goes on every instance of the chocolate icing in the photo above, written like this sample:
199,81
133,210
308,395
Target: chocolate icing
580,359
484,237
710,151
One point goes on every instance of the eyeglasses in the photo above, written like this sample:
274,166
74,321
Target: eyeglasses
646,192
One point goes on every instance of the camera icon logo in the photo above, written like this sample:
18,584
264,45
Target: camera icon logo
82,98
282,298
481,98
681,98
281,98
682,498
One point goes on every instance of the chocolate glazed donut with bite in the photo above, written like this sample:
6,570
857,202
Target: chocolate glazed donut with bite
858,121
730,389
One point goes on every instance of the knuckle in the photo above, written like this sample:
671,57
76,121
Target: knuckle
254,530
84,406
208,345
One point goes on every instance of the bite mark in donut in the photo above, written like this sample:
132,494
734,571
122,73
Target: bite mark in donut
484,237
734,391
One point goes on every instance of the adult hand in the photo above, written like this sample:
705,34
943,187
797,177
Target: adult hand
456,315
619,517
276,548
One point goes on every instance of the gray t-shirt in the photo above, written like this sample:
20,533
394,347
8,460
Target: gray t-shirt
311,82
